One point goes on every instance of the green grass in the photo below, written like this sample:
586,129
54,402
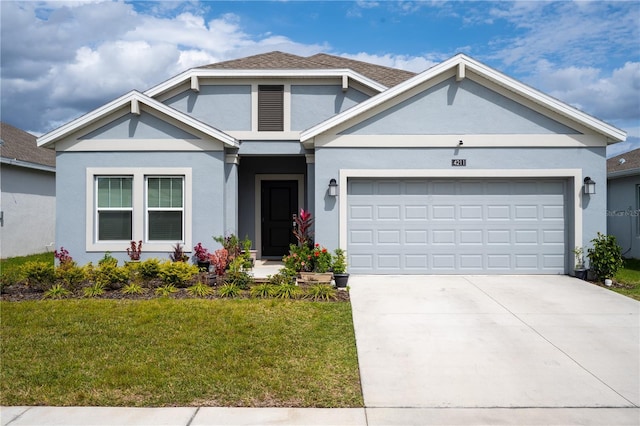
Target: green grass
629,276
166,352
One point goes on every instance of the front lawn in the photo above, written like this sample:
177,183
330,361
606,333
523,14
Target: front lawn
167,352
628,279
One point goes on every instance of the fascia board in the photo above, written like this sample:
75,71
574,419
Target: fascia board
55,135
624,173
502,80
27,164
257,73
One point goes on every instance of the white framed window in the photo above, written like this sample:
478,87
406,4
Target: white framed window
165,208
114,208
132,204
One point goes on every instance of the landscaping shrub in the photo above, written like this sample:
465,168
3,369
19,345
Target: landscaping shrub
70,275
200,289
57,291
149,269
177,273
229,290
166,290
605,257
321,292
39,275
262,291
111,276
94,290
287,291
133,288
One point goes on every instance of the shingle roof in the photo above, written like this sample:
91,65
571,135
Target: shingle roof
385,75
631,161
20,145
280,60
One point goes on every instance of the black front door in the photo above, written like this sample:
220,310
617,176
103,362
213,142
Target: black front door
279,204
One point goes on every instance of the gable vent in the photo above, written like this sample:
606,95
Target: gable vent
270,108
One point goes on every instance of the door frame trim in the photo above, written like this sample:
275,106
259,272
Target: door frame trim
258,201
574,228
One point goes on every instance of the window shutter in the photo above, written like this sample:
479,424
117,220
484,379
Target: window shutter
270,108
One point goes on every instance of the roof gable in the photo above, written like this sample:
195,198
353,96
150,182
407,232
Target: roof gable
20,145
133,100
462,66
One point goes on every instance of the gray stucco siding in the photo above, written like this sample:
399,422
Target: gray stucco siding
28,206
143,126
225,107
329,162
463,107
206,215
312,104
622,213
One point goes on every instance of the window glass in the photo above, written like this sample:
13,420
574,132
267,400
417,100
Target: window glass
164,208
114,208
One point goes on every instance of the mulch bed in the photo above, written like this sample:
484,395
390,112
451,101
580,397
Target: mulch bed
22,292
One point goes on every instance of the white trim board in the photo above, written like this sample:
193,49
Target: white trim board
575,174
452,141
258,201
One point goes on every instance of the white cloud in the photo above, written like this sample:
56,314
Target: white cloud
609,97
60,60
410,63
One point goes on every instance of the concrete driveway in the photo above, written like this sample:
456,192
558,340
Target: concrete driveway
496,342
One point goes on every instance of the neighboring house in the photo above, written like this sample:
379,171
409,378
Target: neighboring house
28,199
623,201
459,169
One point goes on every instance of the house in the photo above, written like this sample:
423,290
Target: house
623,201
458,169
28,194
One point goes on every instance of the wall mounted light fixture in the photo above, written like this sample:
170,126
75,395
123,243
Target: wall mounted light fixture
333,188
589,186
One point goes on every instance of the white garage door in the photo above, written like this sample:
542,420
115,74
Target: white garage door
440,226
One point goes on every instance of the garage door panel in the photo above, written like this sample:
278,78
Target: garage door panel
388,212
456,226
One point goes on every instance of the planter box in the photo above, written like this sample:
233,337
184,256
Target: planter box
316,277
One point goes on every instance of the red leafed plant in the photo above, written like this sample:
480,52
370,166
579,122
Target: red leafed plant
135,250
63,256
201,253
302,229
219,260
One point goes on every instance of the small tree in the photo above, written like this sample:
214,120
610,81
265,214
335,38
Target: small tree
605,257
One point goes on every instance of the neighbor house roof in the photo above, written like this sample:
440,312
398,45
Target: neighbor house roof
386,76
463,66
20,148
626,164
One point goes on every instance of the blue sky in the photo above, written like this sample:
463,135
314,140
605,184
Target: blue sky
63,59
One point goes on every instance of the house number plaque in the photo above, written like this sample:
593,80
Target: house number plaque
458,163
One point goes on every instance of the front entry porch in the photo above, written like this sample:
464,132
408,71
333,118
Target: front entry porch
271,189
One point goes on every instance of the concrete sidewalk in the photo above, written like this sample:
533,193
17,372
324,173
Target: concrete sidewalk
208,416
